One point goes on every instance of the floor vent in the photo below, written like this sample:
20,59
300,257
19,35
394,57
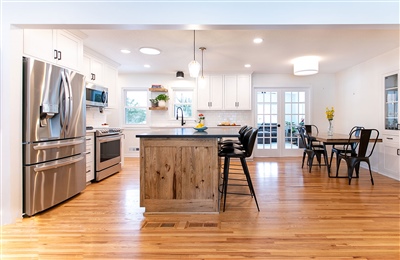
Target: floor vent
180,225
203,225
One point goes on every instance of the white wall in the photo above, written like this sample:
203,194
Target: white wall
139,15
359,92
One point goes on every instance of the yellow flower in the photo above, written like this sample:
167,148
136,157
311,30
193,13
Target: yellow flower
330,113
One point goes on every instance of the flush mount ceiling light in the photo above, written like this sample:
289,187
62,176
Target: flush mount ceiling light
180,74
307,65
146,66
202,81
149,51
194,66
247,65
257,40
126,51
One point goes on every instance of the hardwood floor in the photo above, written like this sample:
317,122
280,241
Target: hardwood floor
303,216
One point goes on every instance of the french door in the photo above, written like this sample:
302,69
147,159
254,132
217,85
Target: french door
278,113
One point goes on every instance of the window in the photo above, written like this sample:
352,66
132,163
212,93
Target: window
135,107
184,99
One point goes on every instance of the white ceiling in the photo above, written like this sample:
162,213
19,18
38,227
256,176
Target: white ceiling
339,47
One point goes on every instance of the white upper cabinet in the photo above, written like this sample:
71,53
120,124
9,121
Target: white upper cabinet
93,69
210,95
110,81
55,46
237,92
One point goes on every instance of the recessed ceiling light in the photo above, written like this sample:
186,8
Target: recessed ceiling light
247,65
125,51
146,66
258,40
149,51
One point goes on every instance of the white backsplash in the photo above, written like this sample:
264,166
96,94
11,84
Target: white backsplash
94,117
213,118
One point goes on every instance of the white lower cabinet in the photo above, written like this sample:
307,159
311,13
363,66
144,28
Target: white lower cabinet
89,157
391,156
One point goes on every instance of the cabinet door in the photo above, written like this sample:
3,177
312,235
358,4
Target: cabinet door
70,48
93,70
216,92
391,159
230,92
89,157
110,81
243,92
203,94
39,44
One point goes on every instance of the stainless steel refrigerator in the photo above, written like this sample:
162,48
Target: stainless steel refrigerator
54,122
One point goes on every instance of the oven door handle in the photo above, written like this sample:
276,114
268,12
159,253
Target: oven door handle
104,139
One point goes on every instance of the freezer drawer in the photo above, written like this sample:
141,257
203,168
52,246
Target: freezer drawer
48,184
53,150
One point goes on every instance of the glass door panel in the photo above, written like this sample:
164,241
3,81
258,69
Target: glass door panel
278,114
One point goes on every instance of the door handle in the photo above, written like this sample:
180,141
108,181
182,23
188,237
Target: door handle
279,125
398,151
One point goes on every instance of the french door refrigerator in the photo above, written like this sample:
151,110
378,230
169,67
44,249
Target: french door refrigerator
54,122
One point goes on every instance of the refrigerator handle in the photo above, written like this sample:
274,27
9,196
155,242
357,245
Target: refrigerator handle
50,145
70,99
56,164
65,119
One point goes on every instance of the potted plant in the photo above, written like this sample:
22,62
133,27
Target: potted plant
162,99
154,102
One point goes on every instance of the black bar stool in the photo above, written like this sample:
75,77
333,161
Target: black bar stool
227,153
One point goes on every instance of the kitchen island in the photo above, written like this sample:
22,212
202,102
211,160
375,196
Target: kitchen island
179,170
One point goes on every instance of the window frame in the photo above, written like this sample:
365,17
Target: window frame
148,114
172,105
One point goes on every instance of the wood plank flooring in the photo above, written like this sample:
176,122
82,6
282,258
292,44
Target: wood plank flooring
303,216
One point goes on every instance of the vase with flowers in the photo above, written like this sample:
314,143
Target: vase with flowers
201,119
329,115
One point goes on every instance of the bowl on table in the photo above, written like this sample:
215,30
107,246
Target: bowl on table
200,129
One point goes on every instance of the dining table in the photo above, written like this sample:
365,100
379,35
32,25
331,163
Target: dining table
336,139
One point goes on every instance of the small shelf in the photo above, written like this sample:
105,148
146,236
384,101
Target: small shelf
158,108
158,89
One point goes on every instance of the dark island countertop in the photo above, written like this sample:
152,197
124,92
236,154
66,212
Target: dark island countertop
190,133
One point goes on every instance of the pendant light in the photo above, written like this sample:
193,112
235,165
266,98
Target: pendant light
194,66
202,80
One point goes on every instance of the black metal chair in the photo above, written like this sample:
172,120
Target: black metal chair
228,153
311,150
312,130
336,150
366,146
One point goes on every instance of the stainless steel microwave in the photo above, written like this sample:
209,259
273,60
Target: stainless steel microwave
96,95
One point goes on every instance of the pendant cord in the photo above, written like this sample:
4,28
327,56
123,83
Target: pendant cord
194,44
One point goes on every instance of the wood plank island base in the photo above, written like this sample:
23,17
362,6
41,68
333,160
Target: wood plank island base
179,170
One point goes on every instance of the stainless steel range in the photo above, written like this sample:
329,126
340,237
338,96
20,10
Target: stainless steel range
108,152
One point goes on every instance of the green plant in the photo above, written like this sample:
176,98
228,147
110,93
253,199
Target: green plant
153,100
164,97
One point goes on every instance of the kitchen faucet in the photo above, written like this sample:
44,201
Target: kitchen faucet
177,114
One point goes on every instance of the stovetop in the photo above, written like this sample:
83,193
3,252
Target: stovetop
105,130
